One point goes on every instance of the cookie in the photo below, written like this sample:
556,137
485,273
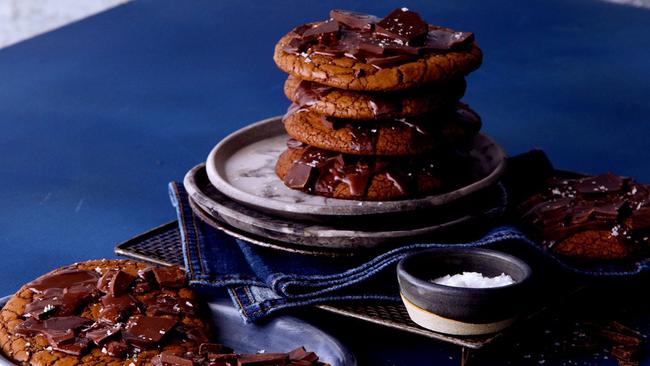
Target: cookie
404,136
331,174
360,52
595,217
339,103
102,312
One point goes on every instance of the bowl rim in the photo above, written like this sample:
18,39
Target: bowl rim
404,274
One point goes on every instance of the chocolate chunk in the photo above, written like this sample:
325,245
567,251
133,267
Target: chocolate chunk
48,304
299,354
169,305
446,39
99,333
299,176
172,277
116,348
117,309
63,279
404,25
170,359
354,20
115,282
326,33
263,359
370,46
600,184
308,92
58,330
146,331
104,281
75,347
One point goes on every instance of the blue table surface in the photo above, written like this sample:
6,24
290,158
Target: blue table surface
97,117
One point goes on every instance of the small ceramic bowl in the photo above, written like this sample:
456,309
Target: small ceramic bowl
461,310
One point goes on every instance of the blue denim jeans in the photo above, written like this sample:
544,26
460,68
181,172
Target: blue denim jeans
262,281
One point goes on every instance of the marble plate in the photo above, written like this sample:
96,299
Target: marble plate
242,166
307,233
280,334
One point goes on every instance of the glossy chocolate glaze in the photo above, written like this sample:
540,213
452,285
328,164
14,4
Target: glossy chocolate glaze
132,313
451,126
605,202
321,171
399,37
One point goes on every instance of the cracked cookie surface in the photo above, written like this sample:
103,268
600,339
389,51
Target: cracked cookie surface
347,73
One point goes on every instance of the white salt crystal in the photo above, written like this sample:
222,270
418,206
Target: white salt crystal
474,280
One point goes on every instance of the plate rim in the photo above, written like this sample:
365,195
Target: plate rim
378,207
197,196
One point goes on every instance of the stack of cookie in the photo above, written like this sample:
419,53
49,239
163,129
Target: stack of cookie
376,112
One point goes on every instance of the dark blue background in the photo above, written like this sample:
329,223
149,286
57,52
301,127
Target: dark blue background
97,117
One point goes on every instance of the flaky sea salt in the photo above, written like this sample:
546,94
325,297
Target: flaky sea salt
474,280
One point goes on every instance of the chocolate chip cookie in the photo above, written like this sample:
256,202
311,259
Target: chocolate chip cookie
339,103
102,312
403,136
595,217
373,178
361,52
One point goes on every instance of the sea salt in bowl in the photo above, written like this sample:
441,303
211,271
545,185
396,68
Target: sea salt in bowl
452,309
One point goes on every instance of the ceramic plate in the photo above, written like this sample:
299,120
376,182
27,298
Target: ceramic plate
242,166
218,223
306,233
280,334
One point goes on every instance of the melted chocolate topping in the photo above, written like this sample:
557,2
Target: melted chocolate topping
320,171
60,299
604,202
399,37
452,126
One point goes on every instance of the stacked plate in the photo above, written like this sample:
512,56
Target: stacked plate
237,190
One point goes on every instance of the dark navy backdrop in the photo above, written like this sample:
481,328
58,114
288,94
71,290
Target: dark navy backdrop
97,117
